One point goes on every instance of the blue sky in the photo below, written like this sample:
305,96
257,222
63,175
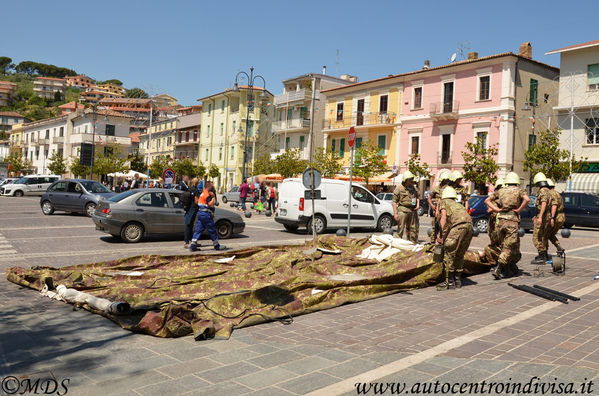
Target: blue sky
191,49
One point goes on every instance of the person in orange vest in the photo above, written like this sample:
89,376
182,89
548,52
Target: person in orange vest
205,202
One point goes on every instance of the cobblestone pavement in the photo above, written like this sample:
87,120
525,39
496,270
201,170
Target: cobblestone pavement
487,331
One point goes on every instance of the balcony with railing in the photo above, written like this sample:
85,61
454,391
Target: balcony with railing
292,123
58,140
293,96
43,141
184,140
447,110
362,118
100,139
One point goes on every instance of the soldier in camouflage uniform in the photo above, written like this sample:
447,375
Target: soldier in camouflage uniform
509,201
557,217
456,234
405,207
493,249
541,220
435,197
462,192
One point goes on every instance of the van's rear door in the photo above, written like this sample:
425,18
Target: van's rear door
290,192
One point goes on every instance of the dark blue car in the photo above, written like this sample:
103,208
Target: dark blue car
480,216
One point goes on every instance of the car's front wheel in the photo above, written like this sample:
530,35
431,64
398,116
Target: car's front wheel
132,232
90,208
224,229
482,224
224,199
47,208
18,193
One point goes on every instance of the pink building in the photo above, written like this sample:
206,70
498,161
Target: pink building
445,107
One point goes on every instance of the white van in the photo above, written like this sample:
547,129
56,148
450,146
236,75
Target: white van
29,185
330,206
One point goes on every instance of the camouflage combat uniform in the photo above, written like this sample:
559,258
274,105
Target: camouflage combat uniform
508,199
539,235
559,220
463,194
406,199
435,198
457,233
493,249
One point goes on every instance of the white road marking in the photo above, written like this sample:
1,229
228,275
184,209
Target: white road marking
41,228
348,385
4,252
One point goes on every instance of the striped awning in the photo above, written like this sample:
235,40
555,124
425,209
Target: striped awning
587,182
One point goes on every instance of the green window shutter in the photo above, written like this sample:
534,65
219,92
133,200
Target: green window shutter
289,113
593,74
534,91
333,145
341,147
358,142
304,113
301,142
382,144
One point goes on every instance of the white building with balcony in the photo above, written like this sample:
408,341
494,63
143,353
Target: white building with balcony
578,110
294,109
66,133
47,87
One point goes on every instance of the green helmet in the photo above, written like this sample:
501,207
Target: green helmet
407,175
455,175
444,175
539,178
550,183
511,178
449,193
498,183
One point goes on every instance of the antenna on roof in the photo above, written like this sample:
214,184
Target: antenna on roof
337,64
463,47
453,57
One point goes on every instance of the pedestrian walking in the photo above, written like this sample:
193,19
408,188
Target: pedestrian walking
455,236
243,193
541,220
189,206
434,198
205,218
405,207
557,216
135,183
184,185
272,197
509,201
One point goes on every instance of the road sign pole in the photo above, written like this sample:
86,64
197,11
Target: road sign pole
351,176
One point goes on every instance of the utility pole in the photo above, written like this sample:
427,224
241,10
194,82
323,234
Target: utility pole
571,128
149,143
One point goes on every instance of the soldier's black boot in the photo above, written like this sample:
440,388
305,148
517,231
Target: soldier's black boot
458,279
540,259
449,281
497,272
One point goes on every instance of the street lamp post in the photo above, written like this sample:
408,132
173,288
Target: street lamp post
531,140
91,168
251,78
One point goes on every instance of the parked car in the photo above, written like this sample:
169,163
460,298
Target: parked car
232,195
480,216
74,195
389,197
29,185
7,180
581,209
331,205
133,214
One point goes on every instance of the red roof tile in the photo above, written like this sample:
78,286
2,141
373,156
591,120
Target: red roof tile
574,47
10,114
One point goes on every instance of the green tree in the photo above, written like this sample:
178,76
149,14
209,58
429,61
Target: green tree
264,165
137,93
200,170
137,163
57,165
480,166
184,166
77,169
546,156
370,162
109,161
418,168
18,162
112,81
5,64
289,164
57,96
158,166
213,171
326,162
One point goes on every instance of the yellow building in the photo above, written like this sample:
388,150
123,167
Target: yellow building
109,88
15,139
164,100
223,132
161,137
373,109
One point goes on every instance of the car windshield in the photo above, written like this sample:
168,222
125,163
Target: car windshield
95,187
121,196
22,180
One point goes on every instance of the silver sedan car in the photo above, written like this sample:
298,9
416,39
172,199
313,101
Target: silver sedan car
74,195
133,214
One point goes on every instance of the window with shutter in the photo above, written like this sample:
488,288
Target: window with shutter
341,147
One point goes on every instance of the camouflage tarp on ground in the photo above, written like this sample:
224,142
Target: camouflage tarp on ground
180,295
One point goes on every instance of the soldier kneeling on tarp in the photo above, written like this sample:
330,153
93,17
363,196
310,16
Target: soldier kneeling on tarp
456,234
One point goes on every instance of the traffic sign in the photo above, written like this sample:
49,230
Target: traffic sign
168,176
307,178
351,139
